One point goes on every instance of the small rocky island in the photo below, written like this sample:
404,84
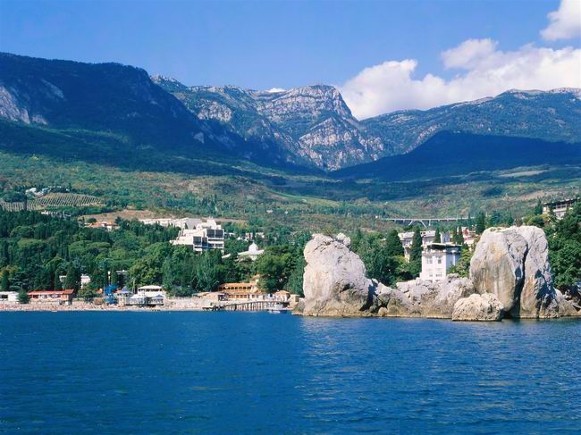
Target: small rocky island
510,277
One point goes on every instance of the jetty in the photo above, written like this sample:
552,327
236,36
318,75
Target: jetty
257,305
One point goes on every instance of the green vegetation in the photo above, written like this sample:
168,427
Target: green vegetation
565,248
35,250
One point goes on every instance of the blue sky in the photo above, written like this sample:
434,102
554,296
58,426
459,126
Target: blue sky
383,55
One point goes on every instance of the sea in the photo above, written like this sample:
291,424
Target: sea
232,372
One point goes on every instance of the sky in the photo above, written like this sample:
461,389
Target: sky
383,55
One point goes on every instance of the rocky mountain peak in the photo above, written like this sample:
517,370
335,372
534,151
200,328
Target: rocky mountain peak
311,101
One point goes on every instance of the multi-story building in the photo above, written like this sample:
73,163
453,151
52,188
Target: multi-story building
183,223
437,259
427,238
204,237
559,207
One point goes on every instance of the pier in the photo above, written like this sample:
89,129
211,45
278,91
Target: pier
258,305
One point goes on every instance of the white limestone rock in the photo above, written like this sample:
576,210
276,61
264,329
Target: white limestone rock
485,307
334,280
513,264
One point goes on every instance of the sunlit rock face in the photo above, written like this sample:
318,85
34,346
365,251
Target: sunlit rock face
334,280
513,264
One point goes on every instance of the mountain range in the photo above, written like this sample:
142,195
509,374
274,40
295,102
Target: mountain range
119,114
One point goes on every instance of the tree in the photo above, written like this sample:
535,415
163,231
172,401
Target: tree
5,284
295,280
73,279
23,297
480,225
208,274
565,249
538,208
89,292
462,268
437,236
458,237
416,253
393,245
275,267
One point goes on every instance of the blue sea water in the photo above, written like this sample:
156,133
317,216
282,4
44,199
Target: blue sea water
192,372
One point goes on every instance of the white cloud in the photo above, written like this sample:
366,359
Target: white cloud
469,53
485,71
564,23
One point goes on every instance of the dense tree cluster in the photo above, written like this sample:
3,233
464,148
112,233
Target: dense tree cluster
35,250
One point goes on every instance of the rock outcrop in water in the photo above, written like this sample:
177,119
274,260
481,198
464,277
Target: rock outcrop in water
419,298
335,284
334,279
510,278
513,264
484,307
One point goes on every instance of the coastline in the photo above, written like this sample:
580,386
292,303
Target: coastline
87,306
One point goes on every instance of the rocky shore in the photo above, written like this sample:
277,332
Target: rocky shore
510,277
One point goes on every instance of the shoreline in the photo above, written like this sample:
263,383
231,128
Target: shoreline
92,307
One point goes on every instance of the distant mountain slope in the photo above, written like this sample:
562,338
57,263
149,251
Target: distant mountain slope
100,97
552,116
73,97
450,154
313,123
97,111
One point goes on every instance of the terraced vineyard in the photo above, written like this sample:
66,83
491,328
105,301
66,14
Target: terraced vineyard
11,206
54,201
60,200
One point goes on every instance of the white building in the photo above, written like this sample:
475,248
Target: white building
9,297
437,259
183,223
253,253
204,237
428,237
559,207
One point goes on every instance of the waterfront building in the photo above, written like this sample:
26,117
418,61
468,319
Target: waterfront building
52,296
8,297
242,290
437,259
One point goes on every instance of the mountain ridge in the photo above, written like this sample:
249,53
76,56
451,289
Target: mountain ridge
307,127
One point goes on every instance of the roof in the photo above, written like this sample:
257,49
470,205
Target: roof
51,292
232,285
150,287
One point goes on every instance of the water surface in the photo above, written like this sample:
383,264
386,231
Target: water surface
192,372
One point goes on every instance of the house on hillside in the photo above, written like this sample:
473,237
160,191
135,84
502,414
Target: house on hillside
253,253
204,237
559,207
428,237
437,259
183,223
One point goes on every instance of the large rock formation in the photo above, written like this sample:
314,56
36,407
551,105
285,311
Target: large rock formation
419,298
513,264
335,285
334,280
510,276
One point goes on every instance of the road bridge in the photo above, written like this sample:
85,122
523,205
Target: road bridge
426,222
